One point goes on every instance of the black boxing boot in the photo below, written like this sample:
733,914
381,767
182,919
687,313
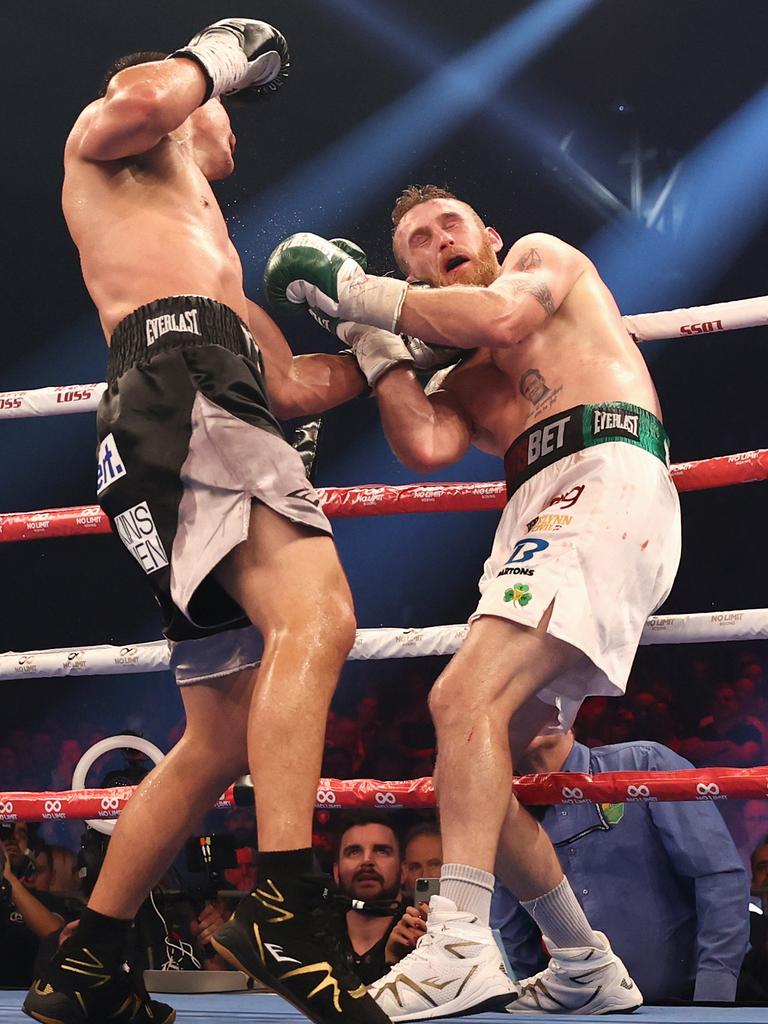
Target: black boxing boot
89,980
283,934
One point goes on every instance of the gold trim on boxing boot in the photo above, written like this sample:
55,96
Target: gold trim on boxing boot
95,963
328,981
277,896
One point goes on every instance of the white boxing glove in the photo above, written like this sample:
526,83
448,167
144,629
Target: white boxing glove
377,351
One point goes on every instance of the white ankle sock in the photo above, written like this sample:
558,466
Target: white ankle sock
469,888
560,917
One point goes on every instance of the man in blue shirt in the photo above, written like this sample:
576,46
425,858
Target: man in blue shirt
662,880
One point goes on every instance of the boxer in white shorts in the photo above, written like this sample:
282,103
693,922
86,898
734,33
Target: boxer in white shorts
587,547
595,536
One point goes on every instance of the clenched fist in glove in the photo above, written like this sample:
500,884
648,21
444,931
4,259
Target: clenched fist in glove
239,54
376,350
307,271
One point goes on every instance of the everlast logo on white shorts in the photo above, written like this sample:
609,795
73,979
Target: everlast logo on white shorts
547,439
185,322
110,466
625,423
136,529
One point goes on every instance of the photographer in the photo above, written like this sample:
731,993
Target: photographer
170,931
368,870
27,917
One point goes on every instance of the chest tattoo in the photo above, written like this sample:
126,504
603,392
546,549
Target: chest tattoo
535,389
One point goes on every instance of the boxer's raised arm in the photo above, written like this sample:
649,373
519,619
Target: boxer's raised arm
538,273
141,106
145,102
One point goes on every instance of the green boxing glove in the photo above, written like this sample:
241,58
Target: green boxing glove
307,271
378,351
332,323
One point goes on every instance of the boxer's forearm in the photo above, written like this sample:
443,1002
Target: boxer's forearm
316,383
463,317
301,385
424,434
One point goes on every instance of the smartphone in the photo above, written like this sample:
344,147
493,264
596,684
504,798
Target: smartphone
425,888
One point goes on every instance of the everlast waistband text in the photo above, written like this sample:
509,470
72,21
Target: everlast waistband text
184,322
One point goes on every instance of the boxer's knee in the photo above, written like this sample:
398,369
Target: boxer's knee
452,703
320,631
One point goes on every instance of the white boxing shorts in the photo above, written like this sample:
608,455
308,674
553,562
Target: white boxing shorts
592,528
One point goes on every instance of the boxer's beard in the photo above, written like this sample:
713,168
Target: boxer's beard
482,271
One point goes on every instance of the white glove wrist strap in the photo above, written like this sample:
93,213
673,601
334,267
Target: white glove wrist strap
376,350
373,300
225,63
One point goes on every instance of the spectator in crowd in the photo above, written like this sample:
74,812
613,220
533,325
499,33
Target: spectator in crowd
55,870
620,726
753,710
324,839
383,751
591,720
21,845
661,724
28,917
422,856
64,877
368,869
240,823
368,715
343,752
70,753
724,737
8,767
641,701
662,880
760,867
753,980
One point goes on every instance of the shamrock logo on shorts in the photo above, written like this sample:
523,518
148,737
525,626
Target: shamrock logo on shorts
519,594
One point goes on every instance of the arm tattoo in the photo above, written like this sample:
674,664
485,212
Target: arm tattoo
532,261
539,291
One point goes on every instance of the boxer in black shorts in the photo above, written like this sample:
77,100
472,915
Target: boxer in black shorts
216,509
178,485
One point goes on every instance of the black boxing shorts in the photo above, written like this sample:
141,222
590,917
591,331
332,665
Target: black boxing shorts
187,441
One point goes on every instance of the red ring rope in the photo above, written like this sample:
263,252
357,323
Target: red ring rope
387,499
545,788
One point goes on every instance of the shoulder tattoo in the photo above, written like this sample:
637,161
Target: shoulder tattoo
528,261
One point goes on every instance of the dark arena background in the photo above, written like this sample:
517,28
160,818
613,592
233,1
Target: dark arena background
636,131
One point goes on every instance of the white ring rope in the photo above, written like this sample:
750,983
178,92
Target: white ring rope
693,320
371,645
666,324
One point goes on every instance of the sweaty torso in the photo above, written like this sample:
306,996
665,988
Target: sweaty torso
582,354
149,227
